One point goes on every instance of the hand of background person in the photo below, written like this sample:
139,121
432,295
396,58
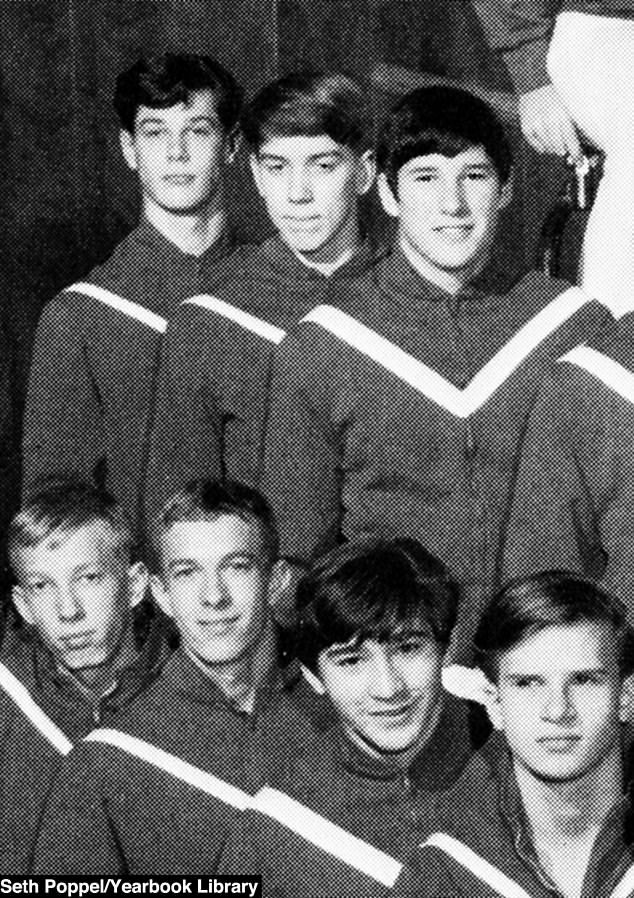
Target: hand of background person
546,124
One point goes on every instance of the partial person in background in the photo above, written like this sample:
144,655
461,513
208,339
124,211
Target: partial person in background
374,620
81,655
573,502
310,141
397,408
156,795
97,343
571,63
545,809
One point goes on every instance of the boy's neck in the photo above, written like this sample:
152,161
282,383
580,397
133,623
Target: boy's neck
192,234
452,282
565,818
239,680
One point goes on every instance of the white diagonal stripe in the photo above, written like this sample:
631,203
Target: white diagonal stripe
460,402
477,865
327,835
238,316
173,765
29,707
611,373
625,886
131,309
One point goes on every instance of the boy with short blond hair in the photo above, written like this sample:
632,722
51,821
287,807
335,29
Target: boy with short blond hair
78,658
155,796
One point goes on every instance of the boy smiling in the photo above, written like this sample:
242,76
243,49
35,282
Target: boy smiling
374,621
397,408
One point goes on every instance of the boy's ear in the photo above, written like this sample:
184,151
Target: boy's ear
313,680
126,141
280,581
138,579
160,595
492,705
233,142
254,165
388,200
21,604
507,191
626,700
366,172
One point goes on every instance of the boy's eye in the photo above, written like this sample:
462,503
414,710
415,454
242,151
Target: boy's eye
152,132
36,585
526,682
240,564
478,175
585,679
92,576
180,573
411,646
347,660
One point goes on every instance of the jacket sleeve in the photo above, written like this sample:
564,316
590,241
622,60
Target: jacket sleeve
302,453
520,30
63,425
554,521
186,433
76,835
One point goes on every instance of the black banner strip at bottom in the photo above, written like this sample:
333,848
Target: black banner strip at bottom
117,886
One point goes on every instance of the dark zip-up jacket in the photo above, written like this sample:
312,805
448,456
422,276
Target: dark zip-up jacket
574,501
28,758
335,797
484,812
521,31
215,364
111,812
93,370
404,416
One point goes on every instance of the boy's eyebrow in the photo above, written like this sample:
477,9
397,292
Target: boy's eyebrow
231,556
519,675
327,154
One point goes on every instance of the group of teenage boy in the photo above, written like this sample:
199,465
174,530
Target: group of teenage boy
418,439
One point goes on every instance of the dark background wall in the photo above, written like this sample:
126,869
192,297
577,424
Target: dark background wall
66,195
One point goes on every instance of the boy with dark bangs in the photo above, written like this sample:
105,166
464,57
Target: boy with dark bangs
96,348
156,795
310,144
80,657
545,809
397,409
373,623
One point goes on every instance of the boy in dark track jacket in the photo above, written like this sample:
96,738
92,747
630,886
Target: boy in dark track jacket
155,796
545,810
309,139
374,621
573,502
403,414
77,662
97,343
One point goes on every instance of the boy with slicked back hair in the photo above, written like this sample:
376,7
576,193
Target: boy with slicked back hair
156,794
397,407
310,143
97,343
545,808
79,657
374,620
